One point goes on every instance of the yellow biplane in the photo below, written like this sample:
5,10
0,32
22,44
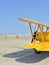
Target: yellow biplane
40,38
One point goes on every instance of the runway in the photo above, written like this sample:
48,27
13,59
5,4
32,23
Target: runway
13,52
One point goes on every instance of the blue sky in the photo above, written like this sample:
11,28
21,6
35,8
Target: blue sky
10,10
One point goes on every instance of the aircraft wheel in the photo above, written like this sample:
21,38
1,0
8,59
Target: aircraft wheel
37,52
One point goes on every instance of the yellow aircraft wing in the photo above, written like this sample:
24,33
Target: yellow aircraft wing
33,22
40,46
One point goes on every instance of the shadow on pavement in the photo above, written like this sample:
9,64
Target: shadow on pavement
18,54
27,56
33,58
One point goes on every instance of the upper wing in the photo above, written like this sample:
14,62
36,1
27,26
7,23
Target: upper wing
33,22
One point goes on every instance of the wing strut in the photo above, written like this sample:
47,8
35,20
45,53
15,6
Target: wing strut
30,28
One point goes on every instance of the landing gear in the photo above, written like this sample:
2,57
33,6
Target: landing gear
37,52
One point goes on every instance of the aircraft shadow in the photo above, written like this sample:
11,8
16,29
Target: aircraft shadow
33,58
27,56
18,54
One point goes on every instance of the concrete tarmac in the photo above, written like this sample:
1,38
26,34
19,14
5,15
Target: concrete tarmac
13,52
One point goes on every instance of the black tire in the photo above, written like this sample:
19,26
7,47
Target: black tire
37,52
